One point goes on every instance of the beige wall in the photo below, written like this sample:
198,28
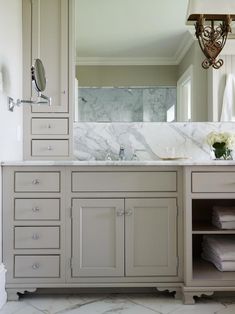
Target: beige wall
127,75
200,82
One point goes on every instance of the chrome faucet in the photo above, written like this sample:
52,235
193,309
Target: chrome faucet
122,153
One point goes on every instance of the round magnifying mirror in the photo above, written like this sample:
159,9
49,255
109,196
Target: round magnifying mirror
38,75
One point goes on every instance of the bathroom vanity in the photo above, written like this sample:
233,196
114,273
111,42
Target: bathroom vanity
113,224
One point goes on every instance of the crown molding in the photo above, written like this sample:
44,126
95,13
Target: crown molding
184,46
107,61
92,61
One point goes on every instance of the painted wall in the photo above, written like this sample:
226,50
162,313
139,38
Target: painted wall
200,82
127,75
11,68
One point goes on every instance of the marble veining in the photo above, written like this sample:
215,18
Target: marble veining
125,104
150,141
117,303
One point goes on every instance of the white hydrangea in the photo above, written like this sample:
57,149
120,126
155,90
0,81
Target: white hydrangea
223,137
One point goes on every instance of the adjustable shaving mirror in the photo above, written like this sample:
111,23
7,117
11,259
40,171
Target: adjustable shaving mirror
39,81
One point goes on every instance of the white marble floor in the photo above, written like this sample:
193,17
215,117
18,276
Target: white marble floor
116,303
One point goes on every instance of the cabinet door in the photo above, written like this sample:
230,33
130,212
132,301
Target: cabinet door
151,237
97,237
50,44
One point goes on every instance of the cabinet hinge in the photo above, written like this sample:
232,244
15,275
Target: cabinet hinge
71,263
177,262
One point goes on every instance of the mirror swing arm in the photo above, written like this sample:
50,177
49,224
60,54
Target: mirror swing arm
39,79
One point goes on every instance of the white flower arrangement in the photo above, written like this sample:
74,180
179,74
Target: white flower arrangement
225,138
222,144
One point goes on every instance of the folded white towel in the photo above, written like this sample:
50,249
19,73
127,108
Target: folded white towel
223,224
224,213
222,245
221,266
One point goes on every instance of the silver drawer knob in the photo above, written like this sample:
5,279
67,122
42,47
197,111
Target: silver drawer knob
49,147
35,209
120,212
35,266
49,126
129,212
36,181
35,236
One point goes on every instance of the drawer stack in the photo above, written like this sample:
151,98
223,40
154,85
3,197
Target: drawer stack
37,226
50,137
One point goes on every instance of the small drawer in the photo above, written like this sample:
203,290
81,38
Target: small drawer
37,181
50,148
37,209
37,237
153,181
37,266
213,182
49,126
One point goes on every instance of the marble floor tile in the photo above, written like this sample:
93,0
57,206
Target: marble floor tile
20,307
163,304
116,303
230,309
59,303
112,304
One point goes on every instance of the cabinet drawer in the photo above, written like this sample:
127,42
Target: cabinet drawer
50,148
49,126
37,181
214,182
47,266
37,209
124,181
37,237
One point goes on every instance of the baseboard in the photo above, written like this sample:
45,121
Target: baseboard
3,295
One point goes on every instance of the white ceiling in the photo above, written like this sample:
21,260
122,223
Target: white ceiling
131,31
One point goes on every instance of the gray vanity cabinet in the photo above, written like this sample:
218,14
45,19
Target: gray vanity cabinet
99,245
98,237
151,237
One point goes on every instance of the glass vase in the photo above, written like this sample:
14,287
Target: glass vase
222,153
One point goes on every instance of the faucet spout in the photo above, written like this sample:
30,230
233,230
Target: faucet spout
122,153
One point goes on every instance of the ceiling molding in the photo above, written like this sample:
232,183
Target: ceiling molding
92,61
184,46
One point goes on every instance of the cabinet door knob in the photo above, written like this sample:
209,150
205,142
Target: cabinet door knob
35,209
35,236
35,266
49,126
36,181
120,212
129,212
49,147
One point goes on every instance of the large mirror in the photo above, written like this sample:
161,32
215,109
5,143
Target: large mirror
138,61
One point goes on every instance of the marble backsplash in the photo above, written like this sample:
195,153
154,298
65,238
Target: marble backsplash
150,141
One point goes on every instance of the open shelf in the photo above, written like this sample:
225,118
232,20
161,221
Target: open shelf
203,270
205,227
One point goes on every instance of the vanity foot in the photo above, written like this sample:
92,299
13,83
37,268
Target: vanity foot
13,294
178,291
188,297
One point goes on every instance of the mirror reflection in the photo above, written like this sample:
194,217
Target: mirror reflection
138,61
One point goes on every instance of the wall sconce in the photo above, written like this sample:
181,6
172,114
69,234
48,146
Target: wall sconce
213,24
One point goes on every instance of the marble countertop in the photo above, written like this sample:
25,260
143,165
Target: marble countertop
186,162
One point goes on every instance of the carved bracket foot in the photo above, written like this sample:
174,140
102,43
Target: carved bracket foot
178,291
188,296
13,294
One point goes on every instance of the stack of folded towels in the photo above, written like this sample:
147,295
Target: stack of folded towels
223,217
219,250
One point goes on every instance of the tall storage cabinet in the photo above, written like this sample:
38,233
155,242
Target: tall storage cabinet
46,34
